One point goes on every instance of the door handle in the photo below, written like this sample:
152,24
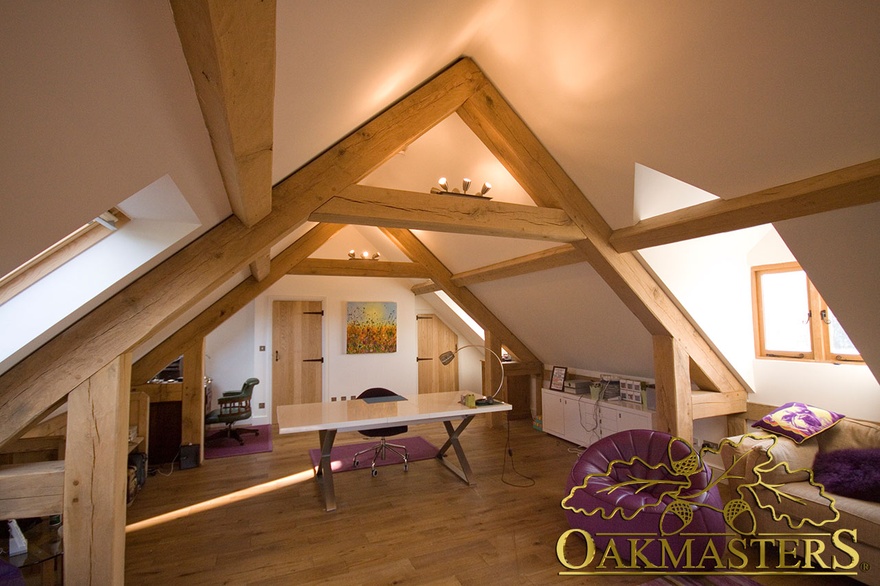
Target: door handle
321,360
276,355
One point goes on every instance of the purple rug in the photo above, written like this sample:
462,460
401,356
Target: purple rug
253,444
418,448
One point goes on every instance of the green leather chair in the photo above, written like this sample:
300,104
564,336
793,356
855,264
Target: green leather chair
233,406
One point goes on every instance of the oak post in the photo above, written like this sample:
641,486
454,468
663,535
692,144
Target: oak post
95,476
192,406
672,374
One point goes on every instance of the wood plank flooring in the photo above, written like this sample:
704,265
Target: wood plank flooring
423,526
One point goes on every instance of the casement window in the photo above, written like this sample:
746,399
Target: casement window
792,321
56,255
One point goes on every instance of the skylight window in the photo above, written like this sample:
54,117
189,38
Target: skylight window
59,253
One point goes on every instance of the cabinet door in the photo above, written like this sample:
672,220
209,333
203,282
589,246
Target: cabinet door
553,414
633,420
581,423
608,420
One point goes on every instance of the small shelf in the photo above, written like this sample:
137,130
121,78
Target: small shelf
132,446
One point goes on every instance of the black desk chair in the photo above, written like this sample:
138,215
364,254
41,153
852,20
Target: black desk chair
234,406
379,450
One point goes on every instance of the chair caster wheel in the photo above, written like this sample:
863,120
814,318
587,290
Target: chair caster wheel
374,472
405,466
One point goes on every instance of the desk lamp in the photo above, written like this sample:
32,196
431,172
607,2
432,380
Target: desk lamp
449,355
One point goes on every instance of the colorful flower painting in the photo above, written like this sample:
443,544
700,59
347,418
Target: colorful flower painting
371,327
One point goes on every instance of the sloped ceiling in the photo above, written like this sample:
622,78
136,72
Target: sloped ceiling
731,98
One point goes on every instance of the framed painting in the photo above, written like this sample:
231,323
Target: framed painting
371,327
557,378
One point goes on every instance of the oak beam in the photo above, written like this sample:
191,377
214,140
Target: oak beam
492,119
712,403
230,50
259,267
35,489
95,474
675,413
550,258
843,188
407,242
157,298
393,208
225,307
359,268
558,256
425,288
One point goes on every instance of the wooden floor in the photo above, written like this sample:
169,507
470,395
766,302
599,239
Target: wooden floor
423,526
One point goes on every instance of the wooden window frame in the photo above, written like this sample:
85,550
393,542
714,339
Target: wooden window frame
820,338
56,255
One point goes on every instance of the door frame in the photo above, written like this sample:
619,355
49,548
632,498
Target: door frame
263,319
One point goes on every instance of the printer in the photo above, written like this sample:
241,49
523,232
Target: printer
576,387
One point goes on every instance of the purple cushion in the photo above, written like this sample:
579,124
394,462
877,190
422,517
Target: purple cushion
798,421
852,472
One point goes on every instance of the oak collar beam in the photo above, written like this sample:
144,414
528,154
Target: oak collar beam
359,268
392,208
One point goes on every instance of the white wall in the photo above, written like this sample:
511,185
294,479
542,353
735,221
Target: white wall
712,278
850,389
234,355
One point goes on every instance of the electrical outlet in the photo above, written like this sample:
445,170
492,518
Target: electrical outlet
262,348
262,405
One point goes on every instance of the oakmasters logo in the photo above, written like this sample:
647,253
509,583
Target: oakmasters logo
639,516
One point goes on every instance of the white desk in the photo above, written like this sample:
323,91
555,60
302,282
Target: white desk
354,415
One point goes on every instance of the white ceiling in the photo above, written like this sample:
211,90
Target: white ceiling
729,97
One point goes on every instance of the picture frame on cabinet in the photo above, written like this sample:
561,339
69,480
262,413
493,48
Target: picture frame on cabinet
557,378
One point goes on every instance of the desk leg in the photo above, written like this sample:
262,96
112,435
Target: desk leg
465,471
324,473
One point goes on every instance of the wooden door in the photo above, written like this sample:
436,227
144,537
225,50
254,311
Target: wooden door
297,363
434,338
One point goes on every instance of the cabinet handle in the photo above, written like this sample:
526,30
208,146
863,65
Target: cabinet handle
276,355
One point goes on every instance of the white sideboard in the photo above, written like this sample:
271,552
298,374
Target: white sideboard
582,420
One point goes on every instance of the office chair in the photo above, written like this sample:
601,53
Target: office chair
380,449
233,406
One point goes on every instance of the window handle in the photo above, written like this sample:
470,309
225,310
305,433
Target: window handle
809,316
824,315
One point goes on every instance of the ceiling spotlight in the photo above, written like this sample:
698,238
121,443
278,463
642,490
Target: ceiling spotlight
465,185
365,255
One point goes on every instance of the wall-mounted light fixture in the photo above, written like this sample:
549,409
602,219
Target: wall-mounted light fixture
465,185
365,255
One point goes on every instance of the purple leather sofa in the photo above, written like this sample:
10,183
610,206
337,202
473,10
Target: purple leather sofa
670,479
